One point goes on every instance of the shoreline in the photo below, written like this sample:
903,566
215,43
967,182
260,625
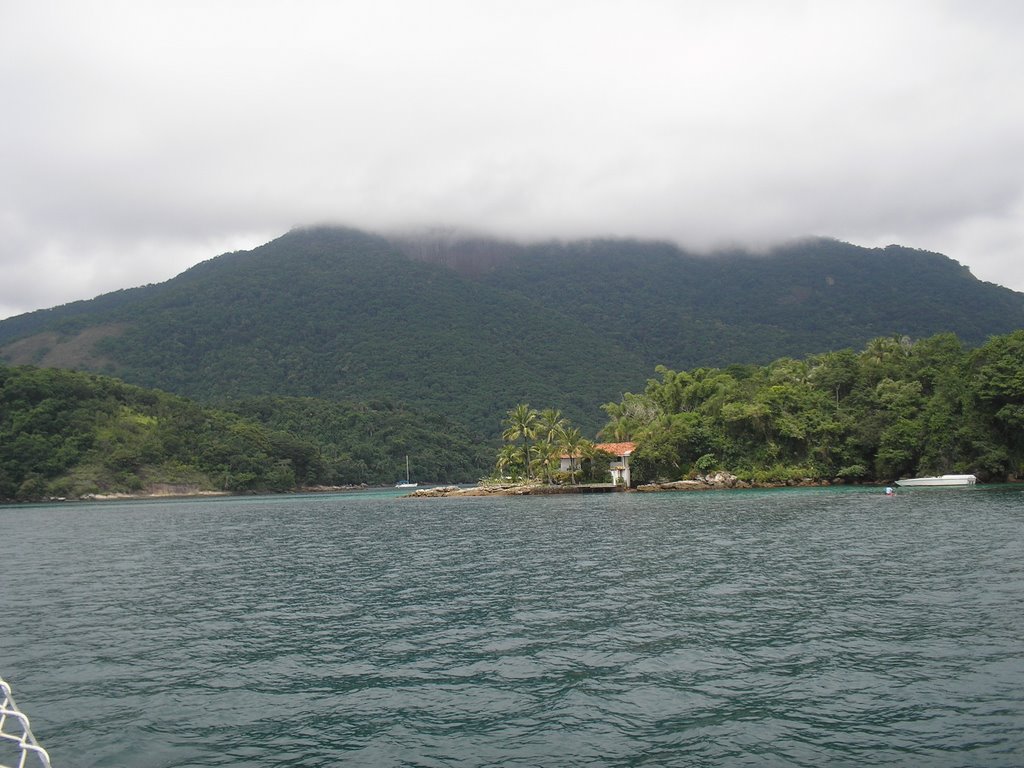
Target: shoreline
509,489
724,482
721,481
182,493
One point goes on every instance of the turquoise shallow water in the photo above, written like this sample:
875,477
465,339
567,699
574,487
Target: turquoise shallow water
804,628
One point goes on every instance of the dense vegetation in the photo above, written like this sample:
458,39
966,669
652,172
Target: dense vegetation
534,443
808,297
368,442
468,330
341,315
68,434
896,409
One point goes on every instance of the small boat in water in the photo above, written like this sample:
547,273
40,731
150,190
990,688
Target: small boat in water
941,481
406,483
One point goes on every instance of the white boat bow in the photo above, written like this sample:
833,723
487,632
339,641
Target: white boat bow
939,481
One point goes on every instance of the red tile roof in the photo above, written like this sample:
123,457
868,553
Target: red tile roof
616,449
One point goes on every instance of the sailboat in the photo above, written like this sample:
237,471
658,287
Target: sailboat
406,483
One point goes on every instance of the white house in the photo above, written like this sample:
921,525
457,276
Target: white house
620,461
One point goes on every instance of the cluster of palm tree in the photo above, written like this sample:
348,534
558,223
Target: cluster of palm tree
536,442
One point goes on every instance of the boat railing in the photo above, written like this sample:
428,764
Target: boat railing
16,739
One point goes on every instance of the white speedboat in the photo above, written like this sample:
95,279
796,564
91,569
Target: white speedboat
941,481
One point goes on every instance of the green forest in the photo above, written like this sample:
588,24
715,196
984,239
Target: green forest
66,434
897,408
470,331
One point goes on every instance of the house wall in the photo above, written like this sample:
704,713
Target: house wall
620,471
622,474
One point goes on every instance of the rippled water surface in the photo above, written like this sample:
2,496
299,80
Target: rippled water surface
805,627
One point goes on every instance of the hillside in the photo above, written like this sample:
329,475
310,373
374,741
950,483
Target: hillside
69,434
467,328
896,409
683,310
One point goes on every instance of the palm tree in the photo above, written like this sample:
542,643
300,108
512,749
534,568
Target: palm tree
510,458
571,441
617,427
546,456
521,424
549,424
886,355
629,418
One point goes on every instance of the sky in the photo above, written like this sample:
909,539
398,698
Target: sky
139,138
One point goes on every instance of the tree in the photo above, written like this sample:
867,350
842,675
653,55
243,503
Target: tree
545,458
545,437
521,424
510,459
549,424
999,379
895,408
631,417
571,441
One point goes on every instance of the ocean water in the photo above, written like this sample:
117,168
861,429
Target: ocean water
800,627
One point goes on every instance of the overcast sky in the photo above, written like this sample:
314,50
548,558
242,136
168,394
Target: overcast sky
139,138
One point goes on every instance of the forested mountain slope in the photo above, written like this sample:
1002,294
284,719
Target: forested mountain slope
469,328
340,314
807,297
67,434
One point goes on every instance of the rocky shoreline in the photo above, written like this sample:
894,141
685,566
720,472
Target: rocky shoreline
532,489
718,481
182,491
727,480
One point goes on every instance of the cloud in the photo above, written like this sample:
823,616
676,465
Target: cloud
142,133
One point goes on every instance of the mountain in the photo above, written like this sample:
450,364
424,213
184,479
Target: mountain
810,296
468,327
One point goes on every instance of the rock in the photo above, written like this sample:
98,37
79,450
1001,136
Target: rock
723,479
676,485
